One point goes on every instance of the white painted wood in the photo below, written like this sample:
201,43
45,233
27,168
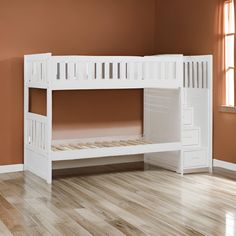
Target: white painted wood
191,74
166,160
62,71
107,70
100,83
97,139
99,72
114,151
140,71
205,74
48,127
185,75
199,98
210,112
97,161
162,115
26,103
195,75
195,159
89,70
35,136
149,69
38,164
180,165
36,69
191,136
200,75
168,108
115,70
123,70
188,116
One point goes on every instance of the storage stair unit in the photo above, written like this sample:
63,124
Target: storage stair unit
197,113
176,121
196,120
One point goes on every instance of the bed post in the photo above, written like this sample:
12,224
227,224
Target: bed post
210,112
181,107
181,94
26,109
49,121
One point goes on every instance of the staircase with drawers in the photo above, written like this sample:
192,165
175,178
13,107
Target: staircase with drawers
196,130
194,154
195,119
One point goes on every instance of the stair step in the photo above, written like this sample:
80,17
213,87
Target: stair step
188,115
195,158
191,136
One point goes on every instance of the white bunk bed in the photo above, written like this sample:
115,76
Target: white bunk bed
177,109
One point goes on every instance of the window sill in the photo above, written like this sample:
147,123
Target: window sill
227,109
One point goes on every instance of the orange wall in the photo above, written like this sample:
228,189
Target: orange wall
192,27
91,27
96,113
92,113
99,27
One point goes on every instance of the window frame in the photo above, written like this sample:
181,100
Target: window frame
229,52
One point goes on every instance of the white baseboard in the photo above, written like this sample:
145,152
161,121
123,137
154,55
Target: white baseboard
11,168
224,164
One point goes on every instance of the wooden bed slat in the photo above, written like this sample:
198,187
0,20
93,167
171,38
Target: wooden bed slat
118,143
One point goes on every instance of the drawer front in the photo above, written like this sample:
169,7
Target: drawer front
188,116
191,137
195,159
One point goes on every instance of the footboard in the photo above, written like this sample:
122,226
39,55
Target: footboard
36,133
37,70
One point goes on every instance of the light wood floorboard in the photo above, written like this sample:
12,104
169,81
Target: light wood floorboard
135,203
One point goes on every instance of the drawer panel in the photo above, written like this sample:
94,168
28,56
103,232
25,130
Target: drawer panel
191,137
188,116
195,159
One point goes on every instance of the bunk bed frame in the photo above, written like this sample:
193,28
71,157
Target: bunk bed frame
177,94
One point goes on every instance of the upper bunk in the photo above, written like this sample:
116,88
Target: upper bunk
103,72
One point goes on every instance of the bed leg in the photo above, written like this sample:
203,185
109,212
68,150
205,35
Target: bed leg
49,180
182,163
49,174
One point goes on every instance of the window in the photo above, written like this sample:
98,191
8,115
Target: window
229,29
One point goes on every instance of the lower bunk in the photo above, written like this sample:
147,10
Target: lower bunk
75,150
41,163
81,126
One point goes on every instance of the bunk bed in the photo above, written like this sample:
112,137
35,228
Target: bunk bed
177,113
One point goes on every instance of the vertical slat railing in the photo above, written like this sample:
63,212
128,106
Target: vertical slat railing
122,70
80,68
196,72
107,70
115,70
35,135
200,74
36,70
99,71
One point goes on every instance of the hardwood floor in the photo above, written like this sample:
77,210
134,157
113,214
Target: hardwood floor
152,202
